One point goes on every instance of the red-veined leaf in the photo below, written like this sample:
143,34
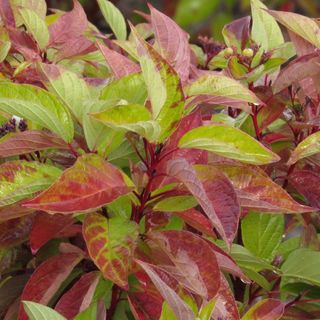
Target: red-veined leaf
111,244
80,296
90,183
120,65
30,141
70,25
179,307
268,309
186,252
173,42
257,191
47,278
46,227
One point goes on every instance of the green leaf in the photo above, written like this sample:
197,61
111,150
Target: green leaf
37,6
111,244
21,179
221,86
37,105
167,313
262,233
306,148
37,311
175,204
132,117
302,265
263,26
36,26
4,50
114,18
228,142
207,310
257,278
305,27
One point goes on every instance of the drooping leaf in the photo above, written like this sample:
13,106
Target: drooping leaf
306,28
268,309
29,141
111,244
228,142
90,183
263,25
21,179
262,234
114,18
36,26
37,105
47,278
36,311
179,307
257,191
80,296
308,147
186,252
173,42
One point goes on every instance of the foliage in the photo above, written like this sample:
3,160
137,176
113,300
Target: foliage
145,178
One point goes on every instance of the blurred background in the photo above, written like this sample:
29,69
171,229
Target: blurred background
205,17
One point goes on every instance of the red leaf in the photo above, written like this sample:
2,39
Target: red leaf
6,13
173,42
120,65
80,296
90,183
268,309
47,227
186,252
111,244
29,141
12,212
238,31
47,278
69,26
179,307
181,170
308,184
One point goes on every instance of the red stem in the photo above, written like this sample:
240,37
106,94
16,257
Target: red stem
114,301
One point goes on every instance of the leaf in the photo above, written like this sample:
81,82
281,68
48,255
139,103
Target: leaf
186,251
68,26
36,26
178,306
114,18
268,309
305,27
207,310
13,211
89,184
263,25
80,296
169,111
167,313
257,191
221,86
72,90
181,170
4,50
262,234
132,117
37,105
296,268
48,277
6,13
223,197
173,42
111,244
306,148
307,183
36,311
29,141
120,65
175,204
228,142
21,179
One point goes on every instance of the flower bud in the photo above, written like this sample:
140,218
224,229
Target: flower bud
248,53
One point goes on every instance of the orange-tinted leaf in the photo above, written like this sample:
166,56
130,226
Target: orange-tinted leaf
47,278
80,296
257,191
268,309
90,183
28,142
194,263
111,244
